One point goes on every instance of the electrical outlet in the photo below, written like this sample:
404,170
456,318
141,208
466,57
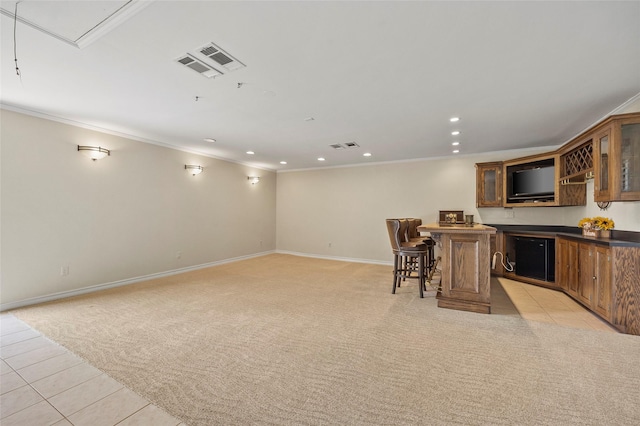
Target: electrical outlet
64,270
329,244
509,213
178,254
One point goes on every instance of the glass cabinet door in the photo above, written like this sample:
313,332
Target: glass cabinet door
489,185
630,160
604,162
602,165
490,177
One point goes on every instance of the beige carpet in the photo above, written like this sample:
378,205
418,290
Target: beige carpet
290,340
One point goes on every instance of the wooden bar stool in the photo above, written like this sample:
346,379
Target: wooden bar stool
405,254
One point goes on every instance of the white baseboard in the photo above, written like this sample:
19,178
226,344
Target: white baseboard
342,259
98,287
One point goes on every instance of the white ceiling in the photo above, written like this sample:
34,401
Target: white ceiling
386,75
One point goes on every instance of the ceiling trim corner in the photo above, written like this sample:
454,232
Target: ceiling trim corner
111,22
99,30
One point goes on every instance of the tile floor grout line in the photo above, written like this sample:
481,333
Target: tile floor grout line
82,361
28,383
132,414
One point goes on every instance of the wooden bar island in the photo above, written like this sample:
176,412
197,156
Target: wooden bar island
466,265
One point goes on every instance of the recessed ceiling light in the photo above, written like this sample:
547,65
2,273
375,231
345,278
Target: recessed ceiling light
455,151
211,140
320,158
455,132
456,143
454,119
366,154
283,162
250,152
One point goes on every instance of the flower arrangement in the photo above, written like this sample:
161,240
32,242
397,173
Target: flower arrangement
596,226
598,222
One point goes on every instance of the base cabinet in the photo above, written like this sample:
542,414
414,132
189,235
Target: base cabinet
602,275
605,279
586,274
601,302
567,266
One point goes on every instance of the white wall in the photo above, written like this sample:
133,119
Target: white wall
341,212
129,215
121,217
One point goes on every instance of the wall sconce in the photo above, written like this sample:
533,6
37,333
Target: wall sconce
253,179
193,169
94,152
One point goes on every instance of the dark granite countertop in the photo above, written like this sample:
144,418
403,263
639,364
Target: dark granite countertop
618,238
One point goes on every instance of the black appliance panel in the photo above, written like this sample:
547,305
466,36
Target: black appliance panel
535,258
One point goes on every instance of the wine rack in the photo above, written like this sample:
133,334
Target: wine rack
578,162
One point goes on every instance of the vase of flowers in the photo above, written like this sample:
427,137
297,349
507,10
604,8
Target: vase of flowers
596,226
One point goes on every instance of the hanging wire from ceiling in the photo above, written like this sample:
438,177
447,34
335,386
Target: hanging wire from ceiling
15,48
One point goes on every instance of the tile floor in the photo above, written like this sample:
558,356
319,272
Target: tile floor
544,305
41,383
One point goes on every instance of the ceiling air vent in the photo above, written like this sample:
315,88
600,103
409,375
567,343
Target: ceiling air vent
345,145
198,66
220,57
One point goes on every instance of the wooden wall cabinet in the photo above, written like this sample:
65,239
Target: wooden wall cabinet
608,152
563,195
576,161
616,149
602,153
489,184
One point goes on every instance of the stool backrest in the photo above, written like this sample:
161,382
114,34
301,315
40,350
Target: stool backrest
413,228
393,228
404,230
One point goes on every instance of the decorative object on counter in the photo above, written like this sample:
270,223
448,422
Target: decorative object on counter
451,217
603,205
468,220
597,226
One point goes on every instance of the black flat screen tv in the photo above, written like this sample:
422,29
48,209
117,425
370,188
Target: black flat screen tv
531,184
